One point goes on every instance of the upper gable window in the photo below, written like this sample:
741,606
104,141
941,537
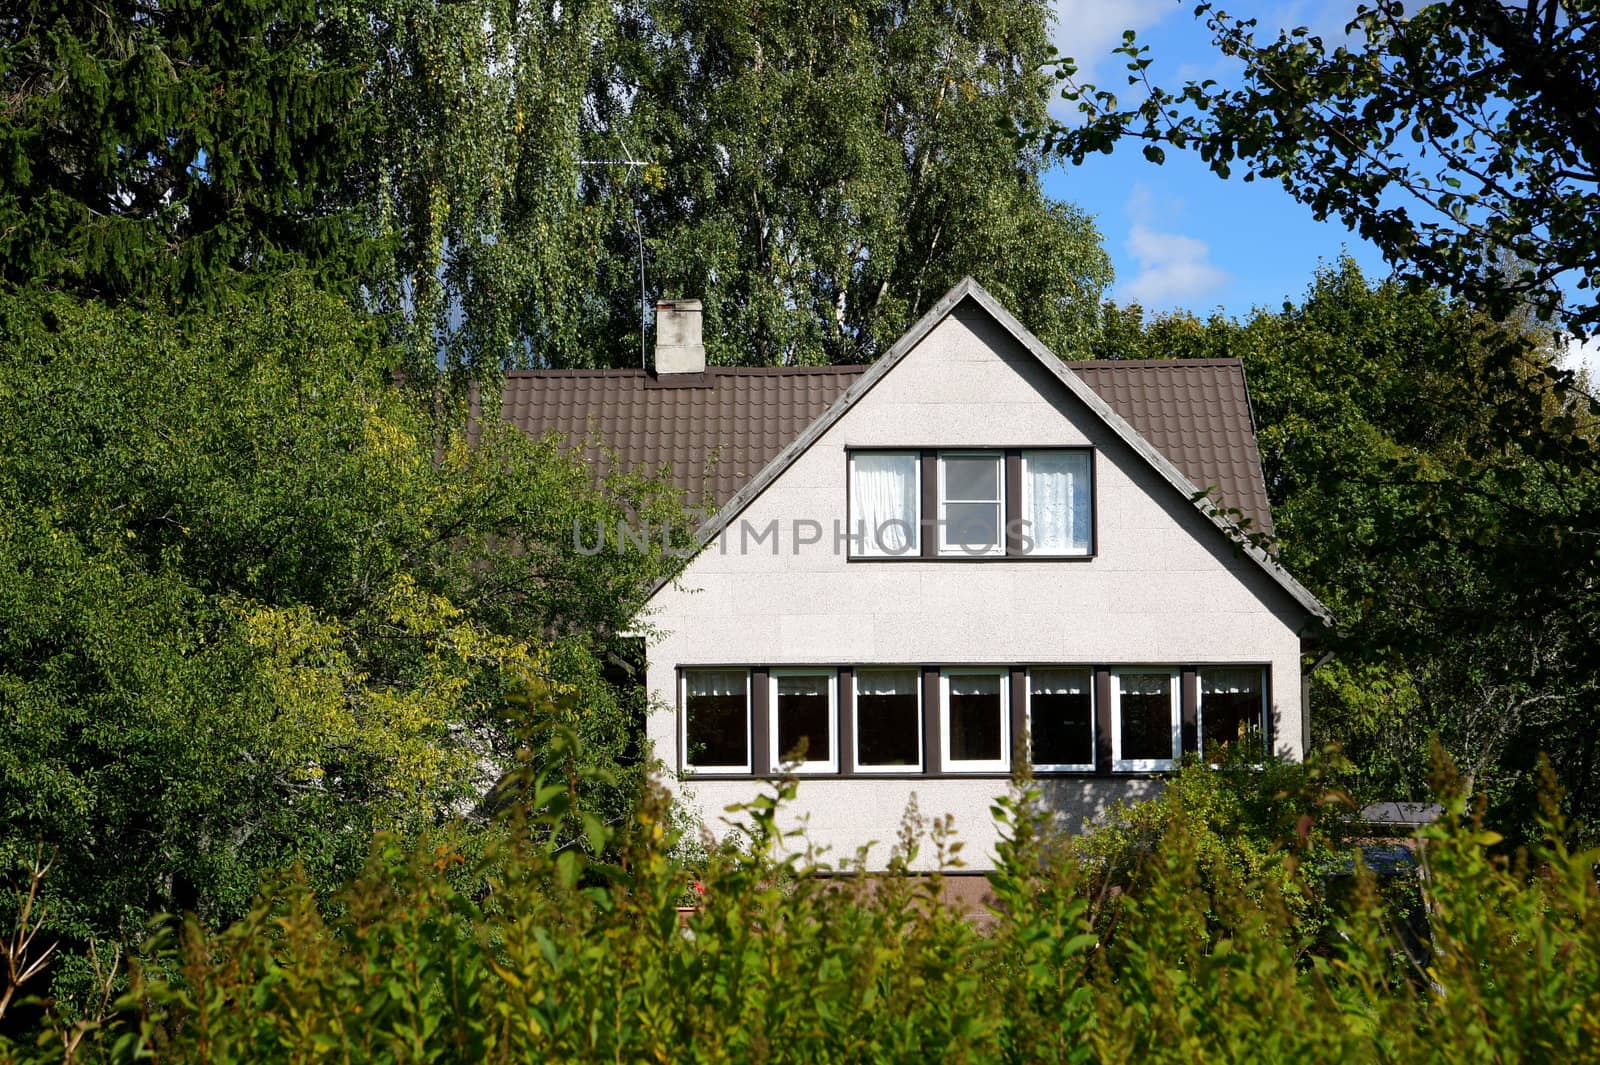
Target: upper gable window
885,487
972,503
1058,502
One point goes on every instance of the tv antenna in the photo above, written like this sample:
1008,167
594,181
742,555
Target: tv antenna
634,166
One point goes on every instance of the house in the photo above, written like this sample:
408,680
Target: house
967,552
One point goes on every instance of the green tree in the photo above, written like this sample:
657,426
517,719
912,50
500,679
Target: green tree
254,605
820,174
1458,137
149,149
1457,486
472,178
1427,483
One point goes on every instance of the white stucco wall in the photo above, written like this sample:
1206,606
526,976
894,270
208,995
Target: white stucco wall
1166,588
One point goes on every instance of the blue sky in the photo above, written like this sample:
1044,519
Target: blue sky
1181,237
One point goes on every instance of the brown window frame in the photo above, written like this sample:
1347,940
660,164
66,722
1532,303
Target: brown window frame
930,535
930,685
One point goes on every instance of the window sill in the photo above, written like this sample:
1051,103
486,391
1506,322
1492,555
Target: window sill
1145,765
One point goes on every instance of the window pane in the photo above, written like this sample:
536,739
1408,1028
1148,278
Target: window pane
1231,708
1058,501
803,717
883,503
974,527
1061,717
718,718
1146,702
886,718
975,713
972,477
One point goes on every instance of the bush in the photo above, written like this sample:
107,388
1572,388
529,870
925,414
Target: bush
536,951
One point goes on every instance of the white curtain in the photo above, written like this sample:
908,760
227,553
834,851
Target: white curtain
716,682
974,684
1230,682
883,502
1058,502
886,682
808,684
1060,681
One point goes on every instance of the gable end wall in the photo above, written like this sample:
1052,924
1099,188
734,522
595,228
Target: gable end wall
1166,587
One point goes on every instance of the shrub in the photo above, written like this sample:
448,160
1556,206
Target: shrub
538,951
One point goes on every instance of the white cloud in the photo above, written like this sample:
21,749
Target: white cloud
1584,356
1087,30
1172,268
1324,18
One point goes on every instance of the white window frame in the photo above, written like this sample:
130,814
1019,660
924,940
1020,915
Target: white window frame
857,765
1120,764
1200,708
1027,501
865,547
957,550
1062,767
683,724
810,765
975,765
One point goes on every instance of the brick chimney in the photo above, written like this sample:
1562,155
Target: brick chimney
679,348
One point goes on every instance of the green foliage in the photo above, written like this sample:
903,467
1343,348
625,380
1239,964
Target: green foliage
537,952
1435,473
1459,138
256,604
1249,833
471,180
818,175
1437,486
821,173
153,149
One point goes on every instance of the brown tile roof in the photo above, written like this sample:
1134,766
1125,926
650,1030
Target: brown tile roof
1194,411
1197,413
732,422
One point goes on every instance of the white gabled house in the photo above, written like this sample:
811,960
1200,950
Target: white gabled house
966,553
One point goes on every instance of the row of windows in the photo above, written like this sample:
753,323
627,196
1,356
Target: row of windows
975,722
1050,514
